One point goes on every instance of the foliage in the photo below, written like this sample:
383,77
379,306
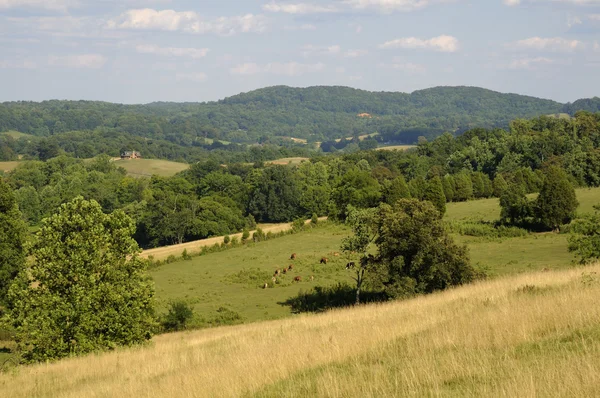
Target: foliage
179,315
516,208
86,289
276,197
416,252
12,239
585,237
557,202
435,194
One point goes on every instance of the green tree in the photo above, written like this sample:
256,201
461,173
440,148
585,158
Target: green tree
463,187
12,238
515,207
86,290
557,202
357,188
435,194
364,228
276,197
417,187
478,187
417,252
448,184
500,186
395,190
585,237
29,204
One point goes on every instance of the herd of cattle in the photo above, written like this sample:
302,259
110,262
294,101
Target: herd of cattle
298,278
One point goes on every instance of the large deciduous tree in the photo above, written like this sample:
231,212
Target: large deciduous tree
557,202
416,251
86,289
585,237
12,236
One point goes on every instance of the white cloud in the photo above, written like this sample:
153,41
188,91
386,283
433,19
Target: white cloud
596,46
21,64
355,53
554,44
60,5
246,69
300,8
407,67
187,21
306,26
309,50
194,53
92,61
530,63
387,6
285,69
442,43
512,2
195,77
293,68
574,2
594,17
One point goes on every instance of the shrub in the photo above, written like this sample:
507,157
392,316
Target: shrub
314,220
178,317
185,255
245,234
298,225
226,239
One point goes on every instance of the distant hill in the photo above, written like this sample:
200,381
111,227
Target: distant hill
275,113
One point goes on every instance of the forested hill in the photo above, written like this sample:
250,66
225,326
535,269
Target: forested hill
315,114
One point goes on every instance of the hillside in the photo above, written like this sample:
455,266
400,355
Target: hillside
314,113
528,335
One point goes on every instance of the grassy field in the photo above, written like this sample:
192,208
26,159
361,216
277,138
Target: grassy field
286,161
396,147
234,278
148,167
8,166
522,336
16,135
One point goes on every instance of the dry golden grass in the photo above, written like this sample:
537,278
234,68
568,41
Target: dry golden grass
8,166
396,148
496,338
286,161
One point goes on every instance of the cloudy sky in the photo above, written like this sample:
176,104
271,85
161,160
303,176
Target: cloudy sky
139,51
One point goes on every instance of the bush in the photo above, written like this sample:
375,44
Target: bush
314,220
178,317
258,235
226,239
185,255
245,234
298,224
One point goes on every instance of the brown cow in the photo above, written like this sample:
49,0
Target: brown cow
350,265
277,272
324,260
298,279
290,267
293,256
284,271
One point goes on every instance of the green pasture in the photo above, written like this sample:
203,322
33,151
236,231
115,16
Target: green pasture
149,167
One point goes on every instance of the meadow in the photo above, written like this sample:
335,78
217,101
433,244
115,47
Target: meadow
149,167
8,166
535,334
396,147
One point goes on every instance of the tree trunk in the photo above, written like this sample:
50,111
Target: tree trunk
359,280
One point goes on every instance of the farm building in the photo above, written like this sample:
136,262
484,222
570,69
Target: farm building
131,155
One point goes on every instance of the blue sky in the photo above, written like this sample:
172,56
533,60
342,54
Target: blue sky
139,51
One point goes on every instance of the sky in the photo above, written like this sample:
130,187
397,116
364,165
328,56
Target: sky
140,51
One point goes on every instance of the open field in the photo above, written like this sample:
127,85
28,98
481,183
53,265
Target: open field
286,161
529,335
8,166
16,135
234,278
148,167
396,147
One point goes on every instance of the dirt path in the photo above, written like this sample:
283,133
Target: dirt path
161,253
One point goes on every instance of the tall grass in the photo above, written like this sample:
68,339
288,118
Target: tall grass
528,335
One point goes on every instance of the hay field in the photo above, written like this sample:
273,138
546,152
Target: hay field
529,335
396,147
291,161
8,166
149,167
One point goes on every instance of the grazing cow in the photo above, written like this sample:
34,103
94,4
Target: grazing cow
350,265
336,254
284,271
312,278
324,260
277,272
274,279
293,256
266,285
290,267
298,279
